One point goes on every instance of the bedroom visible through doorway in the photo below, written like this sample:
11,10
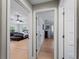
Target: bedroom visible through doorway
19,31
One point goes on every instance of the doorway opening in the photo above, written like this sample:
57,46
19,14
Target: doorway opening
19,31
46,40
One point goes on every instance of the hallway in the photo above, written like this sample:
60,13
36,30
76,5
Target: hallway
46,51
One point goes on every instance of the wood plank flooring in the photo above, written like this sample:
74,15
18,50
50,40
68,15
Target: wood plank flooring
47,50
19,49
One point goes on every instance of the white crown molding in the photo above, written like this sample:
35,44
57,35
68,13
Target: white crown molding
23,4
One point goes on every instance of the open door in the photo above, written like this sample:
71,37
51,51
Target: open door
39,34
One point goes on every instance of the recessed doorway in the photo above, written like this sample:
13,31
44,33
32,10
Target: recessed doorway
46,40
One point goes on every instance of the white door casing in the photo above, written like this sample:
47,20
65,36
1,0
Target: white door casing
55,31
5,23
61,33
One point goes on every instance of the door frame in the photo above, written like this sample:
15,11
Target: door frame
55,30
27,8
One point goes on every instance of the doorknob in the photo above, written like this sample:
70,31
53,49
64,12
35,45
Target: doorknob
63,36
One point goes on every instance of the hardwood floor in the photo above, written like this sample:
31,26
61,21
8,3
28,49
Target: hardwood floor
47,50
19,49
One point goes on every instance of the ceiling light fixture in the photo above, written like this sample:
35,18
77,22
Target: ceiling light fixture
18,20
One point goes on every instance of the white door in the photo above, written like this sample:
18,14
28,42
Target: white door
39,33
69,20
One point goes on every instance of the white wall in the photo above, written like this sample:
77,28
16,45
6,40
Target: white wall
3,29
28,4
45,5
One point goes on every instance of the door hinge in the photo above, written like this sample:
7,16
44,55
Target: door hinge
63,36
36,34
63,58
36,50
63,13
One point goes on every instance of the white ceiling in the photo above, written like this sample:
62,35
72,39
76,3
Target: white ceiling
47,16
33,2
15,10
